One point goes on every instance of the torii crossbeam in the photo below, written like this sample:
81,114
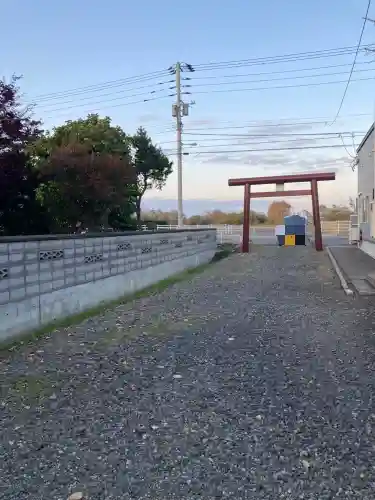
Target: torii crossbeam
280,180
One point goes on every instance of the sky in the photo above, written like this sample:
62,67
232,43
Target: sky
62,48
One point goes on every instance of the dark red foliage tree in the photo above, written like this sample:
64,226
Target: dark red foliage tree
20,213
88,184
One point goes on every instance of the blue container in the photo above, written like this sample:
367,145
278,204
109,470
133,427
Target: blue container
297,230
294,220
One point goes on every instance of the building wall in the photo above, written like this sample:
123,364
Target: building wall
366,183
45,279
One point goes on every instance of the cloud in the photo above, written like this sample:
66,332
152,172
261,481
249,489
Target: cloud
268,128
319,162
281,160
220,158
148,118
198,123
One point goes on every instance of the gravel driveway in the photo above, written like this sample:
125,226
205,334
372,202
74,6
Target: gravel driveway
253,380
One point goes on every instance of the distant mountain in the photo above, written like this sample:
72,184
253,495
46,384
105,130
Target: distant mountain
197,207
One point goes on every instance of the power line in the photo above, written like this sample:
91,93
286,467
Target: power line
354,61
152,93
261,73
280,141
279,86
122,96
161,73
342,140
298,56
121,105
270,149
204,143
244,141
287,134
275,79
108,100
281,122
260,123
159,84
101,86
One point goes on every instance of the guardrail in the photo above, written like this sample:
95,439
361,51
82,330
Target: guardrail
338,228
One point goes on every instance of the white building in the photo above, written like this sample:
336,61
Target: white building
366,192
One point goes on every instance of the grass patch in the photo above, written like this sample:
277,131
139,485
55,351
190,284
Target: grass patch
27,389
30,337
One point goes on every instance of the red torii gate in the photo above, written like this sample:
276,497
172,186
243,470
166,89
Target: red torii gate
280,180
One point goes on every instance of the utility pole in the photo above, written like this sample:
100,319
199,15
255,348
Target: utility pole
180,208
179,110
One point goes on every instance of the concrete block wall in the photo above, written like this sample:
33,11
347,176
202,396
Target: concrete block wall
46,278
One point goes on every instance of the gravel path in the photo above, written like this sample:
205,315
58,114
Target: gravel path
253,380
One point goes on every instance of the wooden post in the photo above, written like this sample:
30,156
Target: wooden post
316,215
246,219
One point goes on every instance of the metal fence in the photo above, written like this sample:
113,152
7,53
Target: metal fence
228,232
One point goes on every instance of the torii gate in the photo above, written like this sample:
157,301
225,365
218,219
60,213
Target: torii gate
280,180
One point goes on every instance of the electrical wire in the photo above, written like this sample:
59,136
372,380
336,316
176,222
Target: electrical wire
354,61
276,122
153,92
300,141
280,141
262,73
109,94
121,105
342,140
101,86
287,134
161,73
194,85
279,86
280,122
105,101
206,142
270,149
298,56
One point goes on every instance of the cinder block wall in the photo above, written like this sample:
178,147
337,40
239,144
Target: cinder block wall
46,278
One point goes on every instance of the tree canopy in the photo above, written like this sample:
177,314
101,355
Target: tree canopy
81,185
97,134
151,165
93,171
277,210
18,181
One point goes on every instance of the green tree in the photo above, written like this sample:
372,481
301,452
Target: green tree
87,172
152,166
20,212
98,134
80,185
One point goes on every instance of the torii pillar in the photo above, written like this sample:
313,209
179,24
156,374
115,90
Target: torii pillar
280,180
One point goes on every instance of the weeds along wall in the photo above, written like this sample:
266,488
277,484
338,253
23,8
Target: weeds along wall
46,278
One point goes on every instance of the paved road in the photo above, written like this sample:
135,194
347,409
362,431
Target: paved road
332,240
252,381
268,238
